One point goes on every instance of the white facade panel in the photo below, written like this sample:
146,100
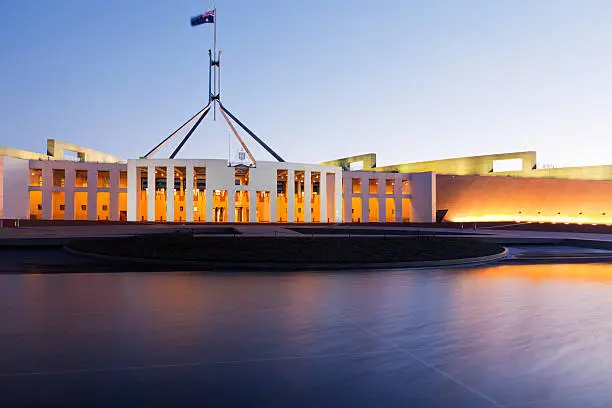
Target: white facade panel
15,198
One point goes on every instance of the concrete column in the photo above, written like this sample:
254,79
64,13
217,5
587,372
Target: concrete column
47,190
290,195
92,194
424,197
231,205
209,209
348,199
365,199
307,196
189,194
151,192
397,197
133,195
114,195
382,199
273,206
338,196
69,183
323,197
252,206
170,193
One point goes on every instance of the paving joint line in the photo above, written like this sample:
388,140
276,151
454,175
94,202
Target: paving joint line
189,364
422,361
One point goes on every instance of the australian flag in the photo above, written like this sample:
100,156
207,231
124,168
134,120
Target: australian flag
208,17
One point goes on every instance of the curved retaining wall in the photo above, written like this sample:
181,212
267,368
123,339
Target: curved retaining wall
290,266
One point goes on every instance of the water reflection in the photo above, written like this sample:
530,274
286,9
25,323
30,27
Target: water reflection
582,272
506,334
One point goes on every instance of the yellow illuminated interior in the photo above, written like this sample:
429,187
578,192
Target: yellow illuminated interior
373,202
103,205
58,199
80,205
263,206
122,206
220,206
35,205
315,201
241,206
406,210
390,209
36,177
356,210
281,196
299,197
80,178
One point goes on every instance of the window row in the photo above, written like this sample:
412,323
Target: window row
241,178
373,187
81,178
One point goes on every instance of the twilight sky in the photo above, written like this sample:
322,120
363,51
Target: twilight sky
320,79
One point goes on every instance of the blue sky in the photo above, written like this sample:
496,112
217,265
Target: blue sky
409,80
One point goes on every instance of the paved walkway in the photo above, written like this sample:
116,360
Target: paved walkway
47,233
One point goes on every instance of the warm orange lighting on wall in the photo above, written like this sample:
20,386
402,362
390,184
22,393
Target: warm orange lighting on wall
512,199
553,219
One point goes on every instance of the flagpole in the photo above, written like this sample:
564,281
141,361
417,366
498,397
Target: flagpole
216,58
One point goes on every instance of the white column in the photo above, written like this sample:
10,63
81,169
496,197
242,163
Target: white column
348,198
69,183
423,197
47,193
365,199
290,195
323,197
338,196
170,193
252,206
209,203
133,193
189,194
151,192
307,196
273,206
114,194
92,193
397,197
382,199
231,205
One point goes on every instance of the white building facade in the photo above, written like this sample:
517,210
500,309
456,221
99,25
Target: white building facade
91,187
95,186
212,191
389,197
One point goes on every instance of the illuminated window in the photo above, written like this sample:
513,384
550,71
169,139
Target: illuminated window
406,187
389,186
59,177
103,179
356,186
81,178
35,177
123,179
241,176
373,186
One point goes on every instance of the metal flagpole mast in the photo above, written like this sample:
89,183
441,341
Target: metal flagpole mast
216,59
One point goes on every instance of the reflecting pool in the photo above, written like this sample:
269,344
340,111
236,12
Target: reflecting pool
493,336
